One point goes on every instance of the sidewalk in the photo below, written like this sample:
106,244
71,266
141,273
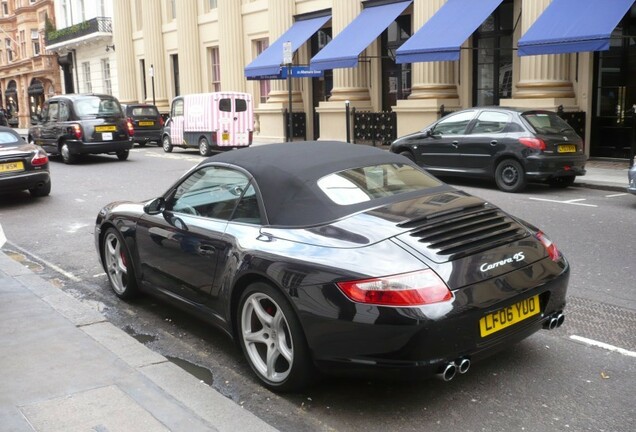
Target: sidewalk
64,368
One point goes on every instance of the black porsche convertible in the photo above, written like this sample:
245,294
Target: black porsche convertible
337,257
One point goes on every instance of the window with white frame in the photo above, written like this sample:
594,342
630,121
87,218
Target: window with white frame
23,44
210,5
108,83
35,41
172,10
5,8
215,69
264,85
86,73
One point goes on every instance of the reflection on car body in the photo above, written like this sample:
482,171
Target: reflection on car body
344,259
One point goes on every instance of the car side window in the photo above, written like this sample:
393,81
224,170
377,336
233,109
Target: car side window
490,122
247,210
54,110
64,111
177,108
454,124
211,192
45,111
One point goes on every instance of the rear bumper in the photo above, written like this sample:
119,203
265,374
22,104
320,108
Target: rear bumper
143,136
80,147
25,180
367,340
542,167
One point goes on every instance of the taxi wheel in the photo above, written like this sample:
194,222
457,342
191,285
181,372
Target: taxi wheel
204,147
166,144
272,339
67,156
122,155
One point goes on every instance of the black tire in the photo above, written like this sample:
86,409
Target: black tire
408,154
166,144
204,147
122,155
142,143
561,182
510,176
67,157
41,191
292,368
118,264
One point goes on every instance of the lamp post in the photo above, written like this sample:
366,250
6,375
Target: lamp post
151,72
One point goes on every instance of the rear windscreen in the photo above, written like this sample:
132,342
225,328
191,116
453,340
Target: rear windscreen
240,105
145,111
7,138
547,123
225,105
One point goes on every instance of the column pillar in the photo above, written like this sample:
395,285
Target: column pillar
154,53
349,84
231,50
124,52
432,83
271,115
544,80
189,47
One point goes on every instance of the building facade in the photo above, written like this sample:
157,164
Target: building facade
188,46
28,73
82,40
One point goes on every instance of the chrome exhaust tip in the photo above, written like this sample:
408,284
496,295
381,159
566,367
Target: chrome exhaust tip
463,365
449,372
560,319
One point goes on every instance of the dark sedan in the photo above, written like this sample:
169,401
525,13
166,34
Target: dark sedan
337,257
146,121
510,145
22,166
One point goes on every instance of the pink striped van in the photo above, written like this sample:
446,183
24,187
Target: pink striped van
209,122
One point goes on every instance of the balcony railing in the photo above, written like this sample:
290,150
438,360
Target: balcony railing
95,25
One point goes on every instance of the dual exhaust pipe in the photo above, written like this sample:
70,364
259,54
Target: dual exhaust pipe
554,321
461,365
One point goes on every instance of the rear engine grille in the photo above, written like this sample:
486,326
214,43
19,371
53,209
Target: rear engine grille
473,230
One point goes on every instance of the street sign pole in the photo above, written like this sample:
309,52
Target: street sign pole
287,59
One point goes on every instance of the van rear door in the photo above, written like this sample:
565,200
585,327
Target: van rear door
235,120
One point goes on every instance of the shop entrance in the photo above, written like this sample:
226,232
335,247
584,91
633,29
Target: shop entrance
614,101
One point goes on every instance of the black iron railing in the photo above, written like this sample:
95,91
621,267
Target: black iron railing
299,125
374,127
95,25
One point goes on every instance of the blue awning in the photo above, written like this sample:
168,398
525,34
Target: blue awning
344,49
574,25
441,37
269,61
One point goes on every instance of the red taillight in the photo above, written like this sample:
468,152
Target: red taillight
535,143
409,289
161,122
214,138
552,249
39,159
131,128
76,131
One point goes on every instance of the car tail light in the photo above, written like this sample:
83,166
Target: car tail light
408,289
40,159
161,122
76,131
131,128
552,249
535,143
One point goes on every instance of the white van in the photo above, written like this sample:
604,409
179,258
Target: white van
210,121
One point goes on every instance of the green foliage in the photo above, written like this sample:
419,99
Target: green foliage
53,35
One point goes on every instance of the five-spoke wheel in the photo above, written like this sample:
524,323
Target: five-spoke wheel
118,265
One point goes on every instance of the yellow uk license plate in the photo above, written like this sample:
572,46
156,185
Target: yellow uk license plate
566,148
225,136
11,167
502,318
146,123
106,128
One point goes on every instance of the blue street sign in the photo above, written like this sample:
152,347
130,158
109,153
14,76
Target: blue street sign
296,72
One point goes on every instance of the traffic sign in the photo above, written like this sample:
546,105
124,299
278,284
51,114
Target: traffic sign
287,53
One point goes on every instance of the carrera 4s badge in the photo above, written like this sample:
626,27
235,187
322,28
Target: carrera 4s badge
519,256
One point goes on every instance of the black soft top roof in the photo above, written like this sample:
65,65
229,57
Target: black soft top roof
287,176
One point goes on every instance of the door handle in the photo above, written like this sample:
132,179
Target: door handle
493,142
206,250
455,144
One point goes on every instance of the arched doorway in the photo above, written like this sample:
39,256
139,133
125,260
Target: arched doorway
11,103
36,98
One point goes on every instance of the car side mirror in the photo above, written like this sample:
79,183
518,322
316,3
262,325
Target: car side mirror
155,207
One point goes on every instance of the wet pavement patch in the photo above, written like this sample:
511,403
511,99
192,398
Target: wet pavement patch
199,372
22,259
140,337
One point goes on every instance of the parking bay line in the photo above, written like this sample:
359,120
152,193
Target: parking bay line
615,195
571,202
69,275
603,345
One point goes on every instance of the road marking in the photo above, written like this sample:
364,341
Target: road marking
603,345
99,275
3,239
69,275
571,202
615,195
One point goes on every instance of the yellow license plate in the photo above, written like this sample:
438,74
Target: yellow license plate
225,136
105,128
566,148
11,167
502,318
146,123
